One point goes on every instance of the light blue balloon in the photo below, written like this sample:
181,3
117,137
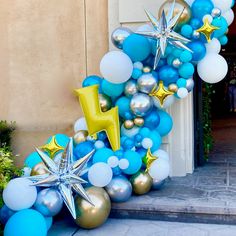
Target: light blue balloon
83,149
32,160
222,24
200,8
137,47
135,162
168,74
166,123
152,120
61,139
112,90
92,80
199,50
136,73
123,104
186,70
223,40
181,83
170,59
156,140
196,23
186,56
26,223
187,31
102,155
177,52
49,221
145,132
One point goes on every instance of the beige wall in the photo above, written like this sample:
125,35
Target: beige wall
46,48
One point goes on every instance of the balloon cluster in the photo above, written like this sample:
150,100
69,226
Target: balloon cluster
116,149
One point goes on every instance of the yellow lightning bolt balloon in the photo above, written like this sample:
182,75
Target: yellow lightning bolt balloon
96,119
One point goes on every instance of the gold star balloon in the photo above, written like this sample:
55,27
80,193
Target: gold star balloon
207,29
52,148
149,159
161,93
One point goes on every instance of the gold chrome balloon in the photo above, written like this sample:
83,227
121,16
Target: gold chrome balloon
80,136
180,5
89,216
96,119
105,102
173,88
128,124
147,69
139,121
39,169
141,183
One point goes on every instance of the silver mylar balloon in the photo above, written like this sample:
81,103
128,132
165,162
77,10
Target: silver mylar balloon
190,85
196,35
146,83
177,63
119,189
156,185
141,104
49,202
216,12
130,88
119,35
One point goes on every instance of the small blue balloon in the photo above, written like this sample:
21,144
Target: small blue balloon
168,74
102,155
49,221
138,138
170,59
196,23
152,120
92,80
119,153
136,73
112,90
186,56
32,160
61,139
128,144
222,24
26,223
142,152
200,8
156,140
144,132
181,83
137,47
177,52
123,104
186,70
187,31
223,40
166,123
135,162
83,149
5,214
199,50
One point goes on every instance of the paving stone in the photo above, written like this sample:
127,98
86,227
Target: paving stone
213,181
62,228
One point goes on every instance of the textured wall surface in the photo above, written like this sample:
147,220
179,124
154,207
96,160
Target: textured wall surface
46,49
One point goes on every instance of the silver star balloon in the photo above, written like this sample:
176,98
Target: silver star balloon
64,176
163,32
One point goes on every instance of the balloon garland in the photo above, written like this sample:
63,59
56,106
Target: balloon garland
116,149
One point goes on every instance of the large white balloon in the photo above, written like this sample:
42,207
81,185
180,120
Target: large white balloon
213,68
162,154
19,194
116,67
159,169
214,46
100,174
80,124
229,16
223,5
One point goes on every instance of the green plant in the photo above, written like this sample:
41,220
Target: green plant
6,130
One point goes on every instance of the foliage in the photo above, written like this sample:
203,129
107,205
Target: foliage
6,130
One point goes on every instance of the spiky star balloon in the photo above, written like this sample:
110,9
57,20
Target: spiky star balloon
163,32
64,176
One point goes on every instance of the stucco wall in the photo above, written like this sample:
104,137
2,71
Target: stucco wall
46,49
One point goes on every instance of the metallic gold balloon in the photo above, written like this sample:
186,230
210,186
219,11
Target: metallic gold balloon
180,5
147,69
173,88
39,169
139,121
89,216
80,136
96,119
128,124
105,102
141,183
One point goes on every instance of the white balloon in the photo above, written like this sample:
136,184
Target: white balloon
209,17
113,161
229,16
159,169
214,46
167,103
182,92
147,143
223,5
99,144
19,194
162,154
190,2
138,65
80,124
116,67
213,68
100,174
130,133
26,171
123,164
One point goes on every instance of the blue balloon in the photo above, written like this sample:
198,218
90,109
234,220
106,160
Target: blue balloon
48,220
200,8
144,132
123,104
26,223
152,120
186,56
187,31
136,73
32,160
135,162
170,59
61,139
177,52
112,90
223,40
156,140
137,47
186,70
168,74
128,144
142,152
83,149
5,214
102,155
92,80
166,123
196,23
181,83
222,24
199,50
